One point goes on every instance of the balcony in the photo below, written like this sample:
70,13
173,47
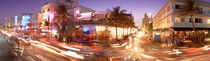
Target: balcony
189,25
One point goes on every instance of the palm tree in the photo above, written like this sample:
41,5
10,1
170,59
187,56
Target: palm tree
47,23
64,24
117,17
190,8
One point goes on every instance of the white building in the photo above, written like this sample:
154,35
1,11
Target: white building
26,18
48,10
34,19
167,19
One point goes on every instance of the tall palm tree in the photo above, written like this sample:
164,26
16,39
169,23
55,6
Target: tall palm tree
47,23
64,24
190,8
117,17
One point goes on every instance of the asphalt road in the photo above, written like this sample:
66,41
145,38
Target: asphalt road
32,53
6,51
10,51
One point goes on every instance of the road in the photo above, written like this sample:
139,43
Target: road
10,51
5,51
32,53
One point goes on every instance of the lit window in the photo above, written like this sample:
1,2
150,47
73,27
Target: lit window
208,21
179,20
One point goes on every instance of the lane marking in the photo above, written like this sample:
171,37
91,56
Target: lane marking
42,58
29,58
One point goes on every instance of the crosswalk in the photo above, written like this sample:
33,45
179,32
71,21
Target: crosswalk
42,58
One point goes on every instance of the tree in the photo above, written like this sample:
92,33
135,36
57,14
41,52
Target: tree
149,28
117,17
63,23
47,23
191,8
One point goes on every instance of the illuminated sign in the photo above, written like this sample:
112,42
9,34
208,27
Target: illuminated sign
16,20
25,20
76,12
85,15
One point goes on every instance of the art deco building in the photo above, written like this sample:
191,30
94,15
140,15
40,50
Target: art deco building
146,20
168,20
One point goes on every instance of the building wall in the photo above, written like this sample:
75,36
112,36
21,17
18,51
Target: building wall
167,17
40,20
10,21
48,10
145,20
35,19
178,22
163,19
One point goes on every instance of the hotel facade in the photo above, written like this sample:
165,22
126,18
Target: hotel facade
94,24
167,20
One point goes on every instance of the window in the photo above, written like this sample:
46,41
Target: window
198,20
167,20
168,8
190,20
180,19
179,6
209,11
208,21
48,9
200,10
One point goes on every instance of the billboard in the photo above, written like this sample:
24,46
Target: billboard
26,18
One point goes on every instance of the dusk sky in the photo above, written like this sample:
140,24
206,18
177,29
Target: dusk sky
11,8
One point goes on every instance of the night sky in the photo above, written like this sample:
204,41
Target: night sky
11,8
